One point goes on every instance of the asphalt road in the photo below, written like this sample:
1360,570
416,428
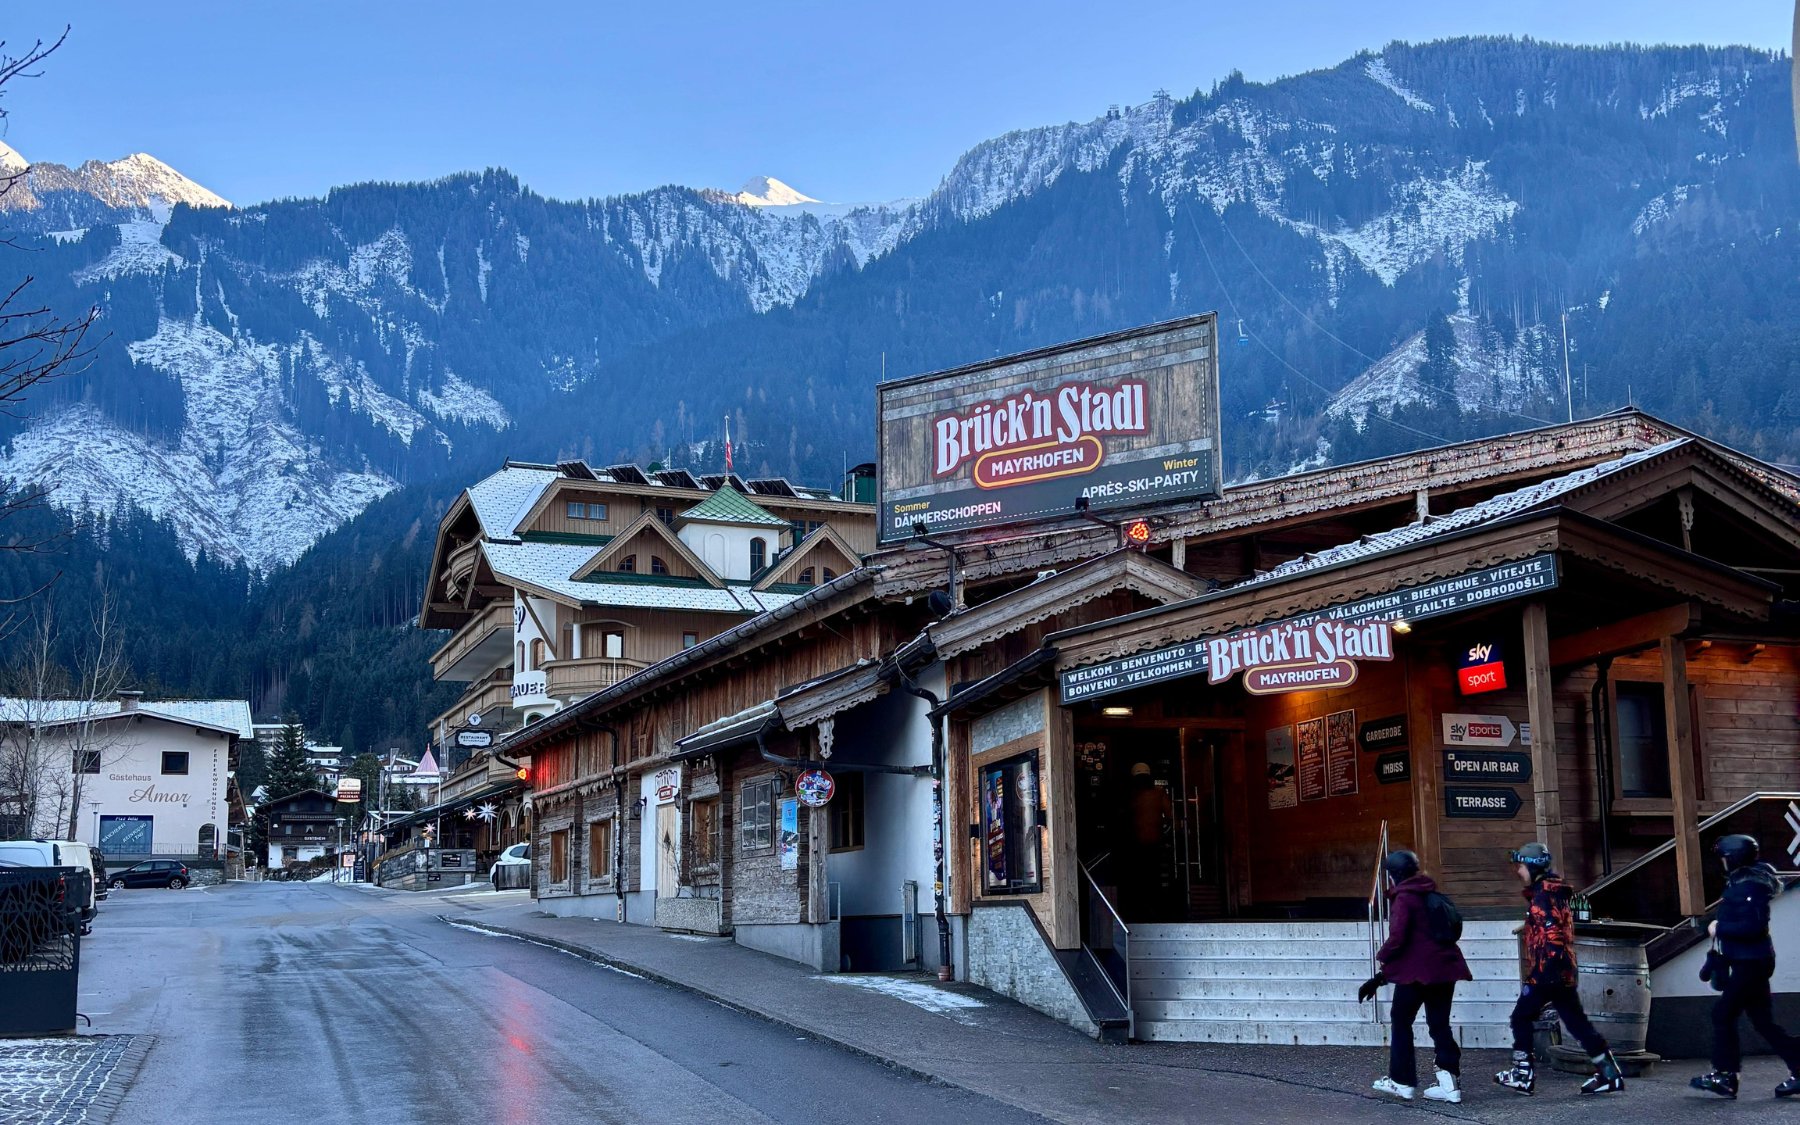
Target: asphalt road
276,1002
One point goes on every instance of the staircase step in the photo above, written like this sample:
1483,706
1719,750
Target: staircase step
1255,968
1276,1031
1298,988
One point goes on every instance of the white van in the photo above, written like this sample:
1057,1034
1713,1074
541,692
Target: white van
56,853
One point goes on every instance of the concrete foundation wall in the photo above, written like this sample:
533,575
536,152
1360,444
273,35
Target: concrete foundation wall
690,915
1008,954
814,946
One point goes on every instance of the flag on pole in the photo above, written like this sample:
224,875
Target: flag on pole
728,444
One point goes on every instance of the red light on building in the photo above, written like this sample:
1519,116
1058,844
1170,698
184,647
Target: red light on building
522,773
1137,533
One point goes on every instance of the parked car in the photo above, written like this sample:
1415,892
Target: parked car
152,873
513,869
60,854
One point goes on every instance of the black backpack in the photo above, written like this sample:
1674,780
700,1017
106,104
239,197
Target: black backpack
1443,921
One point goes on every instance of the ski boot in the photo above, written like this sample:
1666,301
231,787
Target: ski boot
1607,1076
1389,1086
1523,1075
1786,1090
1446,1090
1720,1082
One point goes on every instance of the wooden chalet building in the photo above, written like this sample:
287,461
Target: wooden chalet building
1064,768
560,580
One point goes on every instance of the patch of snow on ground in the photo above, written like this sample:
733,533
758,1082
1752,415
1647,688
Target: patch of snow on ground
917,993
1660,208
140,250
1429,217
1377,69
1489,373
1676,93
460,401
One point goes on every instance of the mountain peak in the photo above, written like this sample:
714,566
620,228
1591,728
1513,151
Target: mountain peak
767,191
11,161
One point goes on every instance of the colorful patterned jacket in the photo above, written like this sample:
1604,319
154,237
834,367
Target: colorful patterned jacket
1549,932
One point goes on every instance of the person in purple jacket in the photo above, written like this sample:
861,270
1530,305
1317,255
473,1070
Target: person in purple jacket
1423,967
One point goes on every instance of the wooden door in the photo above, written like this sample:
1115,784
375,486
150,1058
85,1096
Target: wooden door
668,850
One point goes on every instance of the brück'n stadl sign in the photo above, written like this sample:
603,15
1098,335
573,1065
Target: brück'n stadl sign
1123,421
1414,603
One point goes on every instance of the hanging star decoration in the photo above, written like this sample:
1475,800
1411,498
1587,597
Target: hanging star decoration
487,811
470,814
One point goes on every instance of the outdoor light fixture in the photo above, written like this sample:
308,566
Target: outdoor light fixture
1117,712
1402,627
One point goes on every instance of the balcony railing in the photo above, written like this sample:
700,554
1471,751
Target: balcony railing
491,691
588,674
481,628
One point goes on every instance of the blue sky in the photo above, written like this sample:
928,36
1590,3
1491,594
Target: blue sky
847,102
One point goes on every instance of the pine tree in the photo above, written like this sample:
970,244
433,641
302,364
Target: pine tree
1439,370
289,771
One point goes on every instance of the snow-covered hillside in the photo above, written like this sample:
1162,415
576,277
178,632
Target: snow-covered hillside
1488,372
305,356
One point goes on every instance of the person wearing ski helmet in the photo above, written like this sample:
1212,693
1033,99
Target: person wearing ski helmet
1424,969
1748,952
1550,979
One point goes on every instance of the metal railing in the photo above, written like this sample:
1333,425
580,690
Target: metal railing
1647,889
1378,910
1106,937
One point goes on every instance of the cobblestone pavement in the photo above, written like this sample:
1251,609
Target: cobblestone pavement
65,1081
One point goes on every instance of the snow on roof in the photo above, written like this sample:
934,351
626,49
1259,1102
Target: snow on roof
728,505
501,500
548,567
1487,511
222,714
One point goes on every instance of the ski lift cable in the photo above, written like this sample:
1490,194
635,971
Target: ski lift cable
1278,358
1226,227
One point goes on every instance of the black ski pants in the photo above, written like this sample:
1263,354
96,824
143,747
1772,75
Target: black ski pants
1746,993
1403,1063
1534,998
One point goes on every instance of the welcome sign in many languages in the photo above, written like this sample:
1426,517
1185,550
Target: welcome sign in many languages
1418,603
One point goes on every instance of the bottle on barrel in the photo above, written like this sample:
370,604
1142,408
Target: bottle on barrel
1580,908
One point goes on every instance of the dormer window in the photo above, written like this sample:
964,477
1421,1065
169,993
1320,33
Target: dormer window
828,574
628,565
759,555
586,510
657,565
806,577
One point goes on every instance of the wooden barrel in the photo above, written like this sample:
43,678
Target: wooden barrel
1614,983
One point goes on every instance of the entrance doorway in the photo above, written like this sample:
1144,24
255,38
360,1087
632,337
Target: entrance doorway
1153,821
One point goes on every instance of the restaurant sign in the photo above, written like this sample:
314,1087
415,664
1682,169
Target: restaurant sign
1120,421
1417,603
1481,802
1290,656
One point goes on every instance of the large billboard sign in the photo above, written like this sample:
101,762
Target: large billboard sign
1123,421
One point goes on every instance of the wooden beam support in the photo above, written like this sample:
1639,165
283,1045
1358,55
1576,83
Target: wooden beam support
1427,679
1646,630
1689,883
1540,704
1178,552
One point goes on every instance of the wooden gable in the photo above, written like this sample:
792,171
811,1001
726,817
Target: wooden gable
645,537
823,550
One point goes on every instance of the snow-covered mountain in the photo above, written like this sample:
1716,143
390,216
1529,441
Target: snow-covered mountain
270,369
46,196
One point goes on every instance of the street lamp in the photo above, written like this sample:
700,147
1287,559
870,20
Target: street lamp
337,856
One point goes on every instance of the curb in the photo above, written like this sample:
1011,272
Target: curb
611,962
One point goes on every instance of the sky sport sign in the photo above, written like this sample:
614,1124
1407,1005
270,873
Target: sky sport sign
1122,420
1418,603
